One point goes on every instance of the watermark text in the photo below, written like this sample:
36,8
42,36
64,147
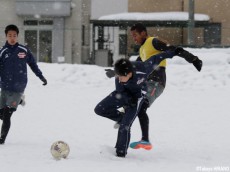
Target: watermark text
213,169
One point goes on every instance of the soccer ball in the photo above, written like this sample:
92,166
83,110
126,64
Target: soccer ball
59,150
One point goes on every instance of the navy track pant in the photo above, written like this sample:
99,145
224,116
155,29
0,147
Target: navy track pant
108,108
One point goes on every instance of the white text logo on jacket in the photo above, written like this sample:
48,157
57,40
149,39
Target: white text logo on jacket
140,81
21,55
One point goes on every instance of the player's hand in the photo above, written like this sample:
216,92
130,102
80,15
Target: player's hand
44,81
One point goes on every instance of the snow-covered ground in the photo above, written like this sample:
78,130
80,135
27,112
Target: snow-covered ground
189,123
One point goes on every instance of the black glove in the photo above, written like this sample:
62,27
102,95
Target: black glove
44,81
109,73
198,64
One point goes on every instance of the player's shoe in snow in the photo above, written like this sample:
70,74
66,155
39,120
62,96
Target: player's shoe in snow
120,154
116,125
141,144
2,141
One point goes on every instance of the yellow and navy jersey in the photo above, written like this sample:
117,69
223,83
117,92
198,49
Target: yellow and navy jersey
153,46
148,49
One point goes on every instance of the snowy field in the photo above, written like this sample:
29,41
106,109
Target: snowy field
189,123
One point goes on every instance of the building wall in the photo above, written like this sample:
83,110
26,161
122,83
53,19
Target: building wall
73,33
155,5
219,11
105,7
8,16
86,15
80,16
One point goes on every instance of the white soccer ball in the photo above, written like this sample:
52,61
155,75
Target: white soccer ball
60,150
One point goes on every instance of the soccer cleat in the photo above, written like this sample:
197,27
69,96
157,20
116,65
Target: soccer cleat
141,144
2,141
121,154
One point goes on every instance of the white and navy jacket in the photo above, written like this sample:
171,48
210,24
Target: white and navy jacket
13,67
136,86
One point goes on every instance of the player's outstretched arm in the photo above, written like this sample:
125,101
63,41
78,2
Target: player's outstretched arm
189,57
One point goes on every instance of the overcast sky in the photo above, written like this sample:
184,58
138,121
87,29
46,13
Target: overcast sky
105,7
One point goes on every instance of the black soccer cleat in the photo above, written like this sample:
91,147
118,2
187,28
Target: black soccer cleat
121,154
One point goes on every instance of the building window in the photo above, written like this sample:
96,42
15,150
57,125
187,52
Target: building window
30,22
37,22
38,37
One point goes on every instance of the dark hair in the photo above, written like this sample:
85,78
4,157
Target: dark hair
12,28
122,67
139,27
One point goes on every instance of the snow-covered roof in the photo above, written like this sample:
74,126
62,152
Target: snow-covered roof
157,16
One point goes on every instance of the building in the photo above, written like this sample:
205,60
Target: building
56,31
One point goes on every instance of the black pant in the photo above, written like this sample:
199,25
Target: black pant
6,114
144,121
108,108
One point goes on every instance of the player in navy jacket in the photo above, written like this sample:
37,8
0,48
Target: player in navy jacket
14,58
129,93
